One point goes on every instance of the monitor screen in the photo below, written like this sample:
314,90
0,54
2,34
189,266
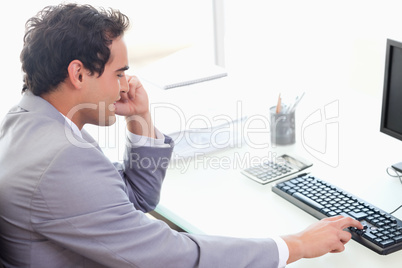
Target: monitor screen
391,116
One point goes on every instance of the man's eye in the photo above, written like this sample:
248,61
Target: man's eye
120,75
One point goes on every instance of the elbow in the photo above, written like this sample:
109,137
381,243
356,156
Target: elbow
146,205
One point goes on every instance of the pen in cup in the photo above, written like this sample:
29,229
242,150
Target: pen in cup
278,105
292,107
283,122
296,103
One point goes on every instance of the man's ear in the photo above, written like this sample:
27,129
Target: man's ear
76,72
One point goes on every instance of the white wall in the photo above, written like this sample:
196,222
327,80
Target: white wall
313,44
303,45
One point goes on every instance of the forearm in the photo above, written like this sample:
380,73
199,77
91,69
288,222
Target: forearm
144,170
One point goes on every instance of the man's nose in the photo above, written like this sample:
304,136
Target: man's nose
124,87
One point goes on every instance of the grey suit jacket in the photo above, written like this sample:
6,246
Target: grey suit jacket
64,204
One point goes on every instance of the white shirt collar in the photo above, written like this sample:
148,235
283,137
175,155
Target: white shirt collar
73,126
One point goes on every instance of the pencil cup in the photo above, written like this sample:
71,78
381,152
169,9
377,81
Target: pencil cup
283,131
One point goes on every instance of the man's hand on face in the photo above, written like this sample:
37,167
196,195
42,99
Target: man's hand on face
134,105
134,101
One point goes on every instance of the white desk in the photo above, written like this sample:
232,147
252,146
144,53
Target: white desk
212,197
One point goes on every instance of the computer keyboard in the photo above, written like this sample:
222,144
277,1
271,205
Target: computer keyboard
382,232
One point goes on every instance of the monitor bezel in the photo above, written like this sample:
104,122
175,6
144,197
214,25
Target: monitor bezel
391,44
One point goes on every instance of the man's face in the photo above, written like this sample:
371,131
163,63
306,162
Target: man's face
102,92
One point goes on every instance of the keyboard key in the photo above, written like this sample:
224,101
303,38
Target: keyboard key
370,236
358,215
308,201
387,243
398,239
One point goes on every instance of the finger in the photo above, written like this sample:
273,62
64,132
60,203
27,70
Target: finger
345,237
334,218
123,97
132,80
133,85
340,248
130,77
349,222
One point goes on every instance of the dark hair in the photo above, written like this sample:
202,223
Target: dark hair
63,33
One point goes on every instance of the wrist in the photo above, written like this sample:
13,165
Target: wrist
141,125
296,248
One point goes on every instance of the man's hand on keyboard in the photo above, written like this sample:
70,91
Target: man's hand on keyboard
320,238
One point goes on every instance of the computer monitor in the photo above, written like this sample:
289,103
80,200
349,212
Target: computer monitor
391,116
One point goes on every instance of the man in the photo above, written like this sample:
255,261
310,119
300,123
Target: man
64,204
